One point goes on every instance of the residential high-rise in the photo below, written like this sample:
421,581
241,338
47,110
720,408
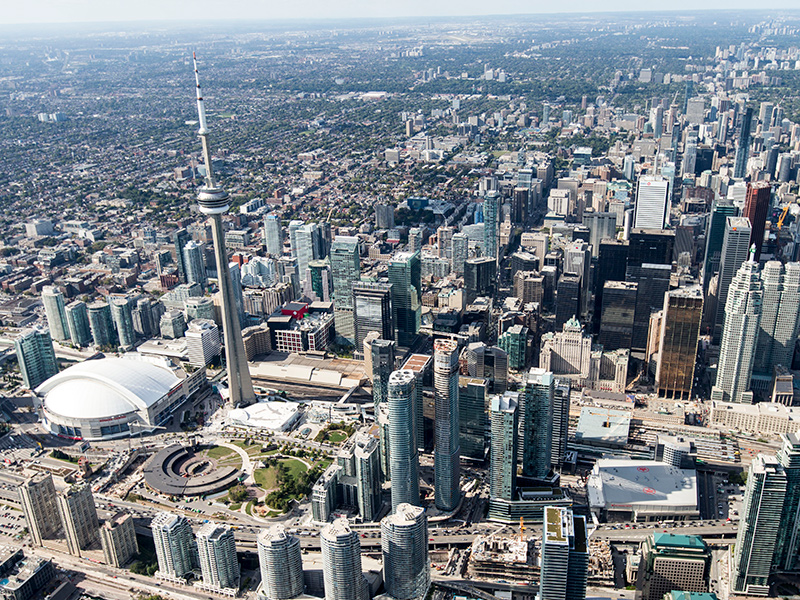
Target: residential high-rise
55,311
202,342
460,252
514,342
309,246
36,357
366,455
472,417
420,365
319,281
403,456
176,549
281,562
759,526
480,275
415,239
405,273
756,209
678,338
180,238
652,203
216,549
118,539
172,324
674,562
142,316
561,402
383,357
404,541
345,270
780,317
194,264
788,542
372,310
743,145
739,336
735,248
79,517
536,422
214,202
78,321
101,325
565,555
491,223
273,235
341,562
123,321
37,495
384,216
503,416
447,451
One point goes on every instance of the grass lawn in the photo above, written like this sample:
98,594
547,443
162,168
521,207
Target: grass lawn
235,506
266,478
336,437
218,452
295,466
326,462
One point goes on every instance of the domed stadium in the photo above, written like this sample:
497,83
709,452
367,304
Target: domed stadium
113,397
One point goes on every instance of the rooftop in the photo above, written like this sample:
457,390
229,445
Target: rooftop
620,484
673,540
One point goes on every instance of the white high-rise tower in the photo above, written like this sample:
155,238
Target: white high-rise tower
214,202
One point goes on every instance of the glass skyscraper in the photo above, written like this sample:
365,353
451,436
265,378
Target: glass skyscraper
503,466
36,357
406,565
403,457
54,309
345,271
447,452
537,423
405,275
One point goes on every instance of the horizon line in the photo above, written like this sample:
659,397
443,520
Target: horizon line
361,19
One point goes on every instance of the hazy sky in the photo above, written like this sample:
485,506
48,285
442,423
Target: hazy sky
61,11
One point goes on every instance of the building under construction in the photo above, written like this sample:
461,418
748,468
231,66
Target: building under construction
496,557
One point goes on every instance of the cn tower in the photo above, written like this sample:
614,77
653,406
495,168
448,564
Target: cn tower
214,202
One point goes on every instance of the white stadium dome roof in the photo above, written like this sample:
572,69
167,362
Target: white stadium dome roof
108,387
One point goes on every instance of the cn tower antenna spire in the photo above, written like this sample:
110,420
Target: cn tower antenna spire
203,131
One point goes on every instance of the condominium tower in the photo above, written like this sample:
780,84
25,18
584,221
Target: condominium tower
404,540
37,496
341,562
447,452
176,550
79,517
403,456
281,563
216,549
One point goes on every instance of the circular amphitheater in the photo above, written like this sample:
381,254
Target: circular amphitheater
179,471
